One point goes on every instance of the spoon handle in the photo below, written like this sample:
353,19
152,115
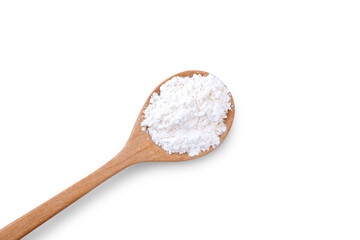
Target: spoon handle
28,222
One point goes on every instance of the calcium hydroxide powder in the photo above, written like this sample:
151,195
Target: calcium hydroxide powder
187,115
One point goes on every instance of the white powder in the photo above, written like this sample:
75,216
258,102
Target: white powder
188,114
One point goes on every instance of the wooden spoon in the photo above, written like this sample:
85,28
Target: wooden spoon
139,148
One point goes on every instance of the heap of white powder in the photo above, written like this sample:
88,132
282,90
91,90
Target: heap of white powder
187,116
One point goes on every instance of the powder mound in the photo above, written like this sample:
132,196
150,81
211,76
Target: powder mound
187,116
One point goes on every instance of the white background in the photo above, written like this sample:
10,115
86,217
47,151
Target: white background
74,75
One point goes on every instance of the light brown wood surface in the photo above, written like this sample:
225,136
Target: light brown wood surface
139,148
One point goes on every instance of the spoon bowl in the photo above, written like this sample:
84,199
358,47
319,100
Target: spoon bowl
139,148
153,153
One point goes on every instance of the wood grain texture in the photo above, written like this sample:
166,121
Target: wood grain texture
139,148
